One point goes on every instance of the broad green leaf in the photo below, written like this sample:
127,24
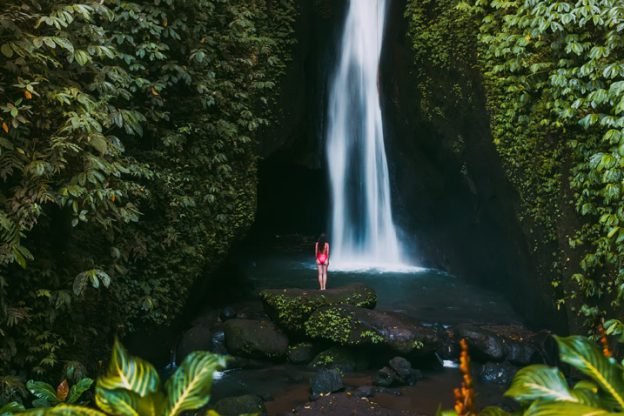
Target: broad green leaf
579,352
64,410
129,373
189,387
540,382
77,389
116,402
540,408
493,411
43,391
11,408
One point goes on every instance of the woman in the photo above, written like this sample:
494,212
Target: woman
321,250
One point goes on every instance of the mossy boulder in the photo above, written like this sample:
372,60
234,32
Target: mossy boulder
301,353
353,326
291,308
342,358
255,339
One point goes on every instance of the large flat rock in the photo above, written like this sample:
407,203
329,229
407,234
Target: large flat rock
255,339
291,308
354,326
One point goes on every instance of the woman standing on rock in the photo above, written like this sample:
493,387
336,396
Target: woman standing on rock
321,250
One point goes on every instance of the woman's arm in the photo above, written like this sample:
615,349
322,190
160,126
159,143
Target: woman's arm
316,249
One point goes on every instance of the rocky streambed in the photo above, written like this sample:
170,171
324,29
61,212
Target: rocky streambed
307,352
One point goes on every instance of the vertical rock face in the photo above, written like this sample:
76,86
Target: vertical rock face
451,200
448,178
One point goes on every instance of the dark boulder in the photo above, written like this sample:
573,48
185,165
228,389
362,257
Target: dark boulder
341,358
364,391
227,313
240,405
498,373
404,371
483,344
497,343
291,308
301,353
324,382
385,377
197,338
354,326
255,339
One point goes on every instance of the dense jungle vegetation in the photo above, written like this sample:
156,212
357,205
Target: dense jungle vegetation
553,79
127,161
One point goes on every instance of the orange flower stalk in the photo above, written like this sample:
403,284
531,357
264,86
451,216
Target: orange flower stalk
604,342
464,396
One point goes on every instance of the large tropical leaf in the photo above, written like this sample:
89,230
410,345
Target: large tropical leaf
10,408
127,403
63,410
541,408
493,411
44,392
116,402
579,352
129,373
189,387
540,382
77,389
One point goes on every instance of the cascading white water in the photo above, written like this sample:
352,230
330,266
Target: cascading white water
363,233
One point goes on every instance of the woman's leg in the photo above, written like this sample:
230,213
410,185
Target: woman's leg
325,266
320,275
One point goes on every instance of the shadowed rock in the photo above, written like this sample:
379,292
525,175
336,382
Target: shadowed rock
291,308
325,381
255,339
240,405
500,342
352,326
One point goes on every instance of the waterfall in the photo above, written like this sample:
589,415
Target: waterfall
363,234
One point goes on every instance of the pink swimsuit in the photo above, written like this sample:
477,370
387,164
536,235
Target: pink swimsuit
321,256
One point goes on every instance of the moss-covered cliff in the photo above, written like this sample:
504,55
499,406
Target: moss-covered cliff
129,161
545,82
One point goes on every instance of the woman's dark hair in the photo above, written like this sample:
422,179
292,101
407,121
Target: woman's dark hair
321,241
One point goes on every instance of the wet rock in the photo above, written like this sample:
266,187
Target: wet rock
325,381
519,343
198,338
227,313
388,391
217,342
449,345
385,377
364,391
345,404
255,339
301,353
235,406
499,373
354,326
340,358
291,308
404,371
484,345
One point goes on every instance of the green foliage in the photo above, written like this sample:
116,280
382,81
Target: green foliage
544,391
131,387
554,87
127,160
556,67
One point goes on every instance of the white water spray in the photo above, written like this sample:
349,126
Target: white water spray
363,234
